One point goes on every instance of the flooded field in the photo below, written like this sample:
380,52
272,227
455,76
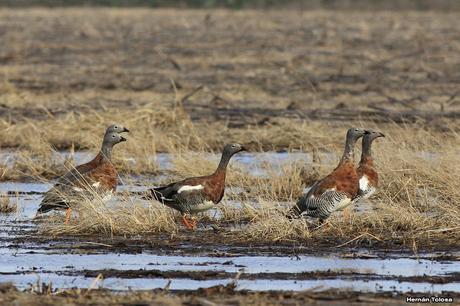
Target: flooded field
286,84
27,259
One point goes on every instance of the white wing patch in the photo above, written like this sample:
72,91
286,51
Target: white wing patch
189,188
96,185
363,183
77,189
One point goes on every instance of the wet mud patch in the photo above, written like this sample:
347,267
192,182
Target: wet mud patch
217,295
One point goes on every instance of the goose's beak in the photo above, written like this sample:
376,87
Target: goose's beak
125,130
122,139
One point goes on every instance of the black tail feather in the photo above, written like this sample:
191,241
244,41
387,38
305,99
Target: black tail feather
44,208
153,194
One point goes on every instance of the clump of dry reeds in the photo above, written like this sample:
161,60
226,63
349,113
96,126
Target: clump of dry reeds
123,216
102,212
6,205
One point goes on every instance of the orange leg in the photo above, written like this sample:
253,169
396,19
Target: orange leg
67,215
194,222
190,224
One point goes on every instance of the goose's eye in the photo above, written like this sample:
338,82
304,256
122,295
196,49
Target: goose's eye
116,127
113,136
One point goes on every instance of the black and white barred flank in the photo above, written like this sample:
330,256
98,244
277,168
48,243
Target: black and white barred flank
321,207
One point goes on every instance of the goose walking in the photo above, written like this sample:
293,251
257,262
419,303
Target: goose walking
196,194
98,175
367,174
335,191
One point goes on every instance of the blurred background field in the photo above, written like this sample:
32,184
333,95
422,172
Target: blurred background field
195,78
241,4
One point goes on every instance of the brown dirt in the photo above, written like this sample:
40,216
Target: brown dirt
218,244
206,297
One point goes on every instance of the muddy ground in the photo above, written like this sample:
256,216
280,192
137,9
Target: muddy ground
204,297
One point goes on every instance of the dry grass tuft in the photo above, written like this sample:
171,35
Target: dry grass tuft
281,183
6,206
267,222
121,217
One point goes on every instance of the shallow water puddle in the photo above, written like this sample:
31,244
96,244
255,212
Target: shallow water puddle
251,162
65,282
24,263
140,271
47,261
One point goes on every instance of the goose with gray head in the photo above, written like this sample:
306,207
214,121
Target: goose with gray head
80,169
335,191
367,173
99,175
196,194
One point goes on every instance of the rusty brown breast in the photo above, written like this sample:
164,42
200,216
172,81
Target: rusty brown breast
106,174
366,168
101,170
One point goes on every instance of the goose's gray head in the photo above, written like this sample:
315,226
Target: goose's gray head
116,128
111,139
232,148
371,135
354,134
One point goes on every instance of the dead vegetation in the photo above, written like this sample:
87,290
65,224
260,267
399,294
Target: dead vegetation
6,205
417,203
